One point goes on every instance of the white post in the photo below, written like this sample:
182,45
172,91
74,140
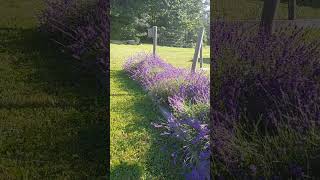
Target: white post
155,40
197,50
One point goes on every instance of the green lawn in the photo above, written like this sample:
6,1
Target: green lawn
135,145
52,116
179,57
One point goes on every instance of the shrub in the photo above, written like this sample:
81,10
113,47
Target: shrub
265,90
82,28
165,88
187,95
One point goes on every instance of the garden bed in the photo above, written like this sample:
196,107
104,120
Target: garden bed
265,103
183,98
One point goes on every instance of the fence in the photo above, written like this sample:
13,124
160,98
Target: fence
281,12
153,33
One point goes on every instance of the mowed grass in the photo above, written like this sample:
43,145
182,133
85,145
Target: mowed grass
179,57
52,116
137,149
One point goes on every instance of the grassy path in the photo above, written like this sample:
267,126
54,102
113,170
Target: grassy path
137,149
52,117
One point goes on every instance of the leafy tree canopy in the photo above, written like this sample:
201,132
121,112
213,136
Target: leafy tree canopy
177,20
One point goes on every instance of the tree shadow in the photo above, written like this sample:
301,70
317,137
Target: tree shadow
79,141
159,161
121,171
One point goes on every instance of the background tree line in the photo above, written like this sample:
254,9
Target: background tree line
178,21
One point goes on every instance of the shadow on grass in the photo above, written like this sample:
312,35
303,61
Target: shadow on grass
158,157
122,171
74,143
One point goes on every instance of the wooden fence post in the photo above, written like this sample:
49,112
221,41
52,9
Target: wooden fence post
268,14
155,40
197,50
201,59
292,9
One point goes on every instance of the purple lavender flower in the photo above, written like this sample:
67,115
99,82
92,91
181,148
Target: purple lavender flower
271,79
82,28
296,171
182,89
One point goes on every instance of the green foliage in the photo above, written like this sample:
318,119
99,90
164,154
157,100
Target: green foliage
177,20
272,155
196,110
165,89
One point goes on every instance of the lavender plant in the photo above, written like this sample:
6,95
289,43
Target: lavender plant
262,88
82,28
181,91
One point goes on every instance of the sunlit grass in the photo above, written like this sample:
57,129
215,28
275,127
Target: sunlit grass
135,145
52,117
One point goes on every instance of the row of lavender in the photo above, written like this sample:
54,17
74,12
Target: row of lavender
81,28
187,96
265,102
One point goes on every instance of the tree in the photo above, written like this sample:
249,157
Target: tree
125,19
177,19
